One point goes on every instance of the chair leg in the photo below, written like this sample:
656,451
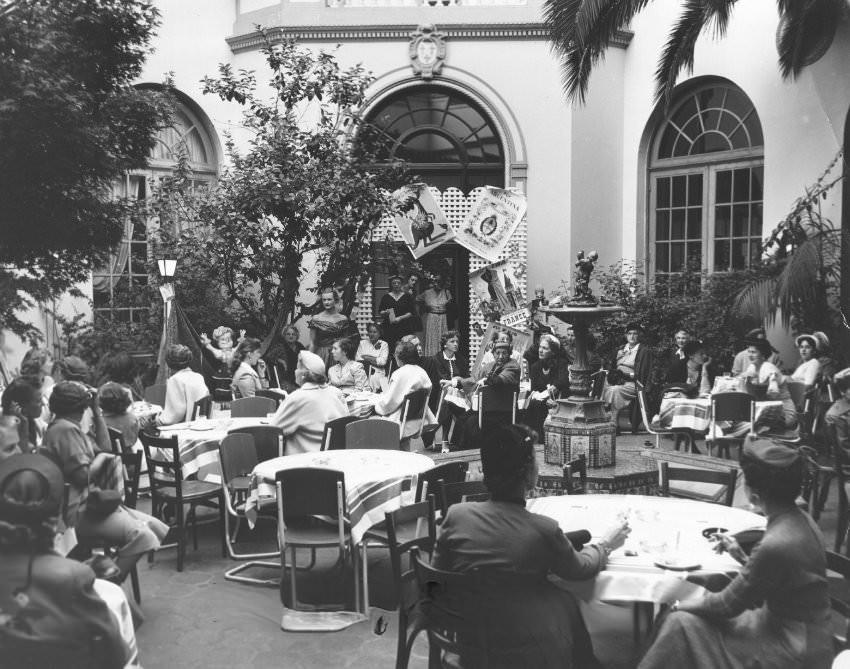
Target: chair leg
134,583
181,536
292,581
222,513
365,549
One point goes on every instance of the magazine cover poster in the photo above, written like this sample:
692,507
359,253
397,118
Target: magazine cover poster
497,288
421,222
491,222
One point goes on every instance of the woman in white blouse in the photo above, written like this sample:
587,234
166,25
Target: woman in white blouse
808,370
375,353
246,380
346,373
760,372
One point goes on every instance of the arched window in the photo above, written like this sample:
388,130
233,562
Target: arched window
120,289
444,135
706,170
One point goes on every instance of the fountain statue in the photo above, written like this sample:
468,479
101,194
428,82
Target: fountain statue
580,423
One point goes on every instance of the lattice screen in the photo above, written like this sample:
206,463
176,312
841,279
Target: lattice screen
456,205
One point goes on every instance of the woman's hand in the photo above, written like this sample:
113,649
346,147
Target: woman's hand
205,339
16,410
727,544
261,367
706,362
616,535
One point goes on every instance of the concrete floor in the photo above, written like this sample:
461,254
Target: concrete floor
196,619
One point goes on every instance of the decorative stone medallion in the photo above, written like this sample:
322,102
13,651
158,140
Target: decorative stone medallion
427,51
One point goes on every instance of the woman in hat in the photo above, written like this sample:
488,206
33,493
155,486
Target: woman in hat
775,612
760,373
50,610
96,514
808,371
329,325
398,309
304,412
839,413
632,364
528,621
183,388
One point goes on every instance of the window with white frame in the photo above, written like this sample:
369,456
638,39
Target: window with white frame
706,173
120,289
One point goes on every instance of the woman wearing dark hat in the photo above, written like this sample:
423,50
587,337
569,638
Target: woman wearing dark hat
50,612
633,363
95,512
540,623
183,388
775,612
739,364
760,373
398,309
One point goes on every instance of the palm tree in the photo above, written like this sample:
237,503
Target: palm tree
582,30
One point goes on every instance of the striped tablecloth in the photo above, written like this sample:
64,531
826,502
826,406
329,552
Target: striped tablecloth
374,481
683,413
663,529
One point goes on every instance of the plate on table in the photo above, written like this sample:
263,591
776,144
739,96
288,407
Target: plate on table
202,427
677,564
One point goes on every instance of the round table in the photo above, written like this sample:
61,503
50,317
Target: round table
367,502
663,528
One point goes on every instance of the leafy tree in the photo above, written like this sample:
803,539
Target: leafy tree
582,30
70,124
303,199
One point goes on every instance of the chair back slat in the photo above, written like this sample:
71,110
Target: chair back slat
165,471
372,433
448,472
155,394
252,407
334,437
268,440
310,491
725,478
116,441
133,470
413,409
238,456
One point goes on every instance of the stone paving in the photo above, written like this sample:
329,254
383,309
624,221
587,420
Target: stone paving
197,619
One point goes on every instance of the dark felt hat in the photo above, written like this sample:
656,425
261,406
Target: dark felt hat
771,453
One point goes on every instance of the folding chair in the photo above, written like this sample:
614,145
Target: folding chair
734,407
497,399
723,478
268,440
155,394
644,412
252,407
203,407
238,459
575,476
372,433
334,437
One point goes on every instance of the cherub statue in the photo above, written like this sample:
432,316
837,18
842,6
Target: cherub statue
585,267
223,336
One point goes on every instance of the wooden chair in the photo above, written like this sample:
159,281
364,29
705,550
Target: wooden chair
238,460
413,409
303,495
430,430
203,407
453,493
372,433
168,487
275,395
840,474
841,565
334,437
476,497
155,394
733,406
411,526
269,441
497,399
644,412
132,473
252,407
116,441
598,383
429,481
575,476
724,478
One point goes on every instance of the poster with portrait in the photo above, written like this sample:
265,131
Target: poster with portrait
421,222
492,220
497,288
521,342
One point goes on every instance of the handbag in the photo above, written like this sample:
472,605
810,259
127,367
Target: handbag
101,503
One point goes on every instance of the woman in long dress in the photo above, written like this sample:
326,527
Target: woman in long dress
435,301
328,326
398,310
775,613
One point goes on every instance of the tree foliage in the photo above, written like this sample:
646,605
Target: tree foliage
302,199
70,124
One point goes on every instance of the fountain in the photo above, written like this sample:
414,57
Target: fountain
579,423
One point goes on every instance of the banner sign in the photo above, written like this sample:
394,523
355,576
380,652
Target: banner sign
421,222
491,222
517,319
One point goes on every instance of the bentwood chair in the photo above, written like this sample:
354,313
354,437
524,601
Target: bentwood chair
334,437
252,407
155,394
238,459
169,489
377,433
726,479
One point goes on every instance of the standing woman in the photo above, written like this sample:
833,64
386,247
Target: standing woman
550,378
374,354
246,380
329,325
435,302
399,311
414,287
346,374
284,357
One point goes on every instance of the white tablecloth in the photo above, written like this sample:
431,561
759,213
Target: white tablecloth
658,525
374,481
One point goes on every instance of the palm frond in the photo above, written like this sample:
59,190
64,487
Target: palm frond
800,278
758,300
806,30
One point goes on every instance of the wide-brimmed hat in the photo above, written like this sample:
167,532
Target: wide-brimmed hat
756,333
806,337
634,326
762,345
30,499
73,368
822,340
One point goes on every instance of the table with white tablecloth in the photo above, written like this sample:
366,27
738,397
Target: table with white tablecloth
665,530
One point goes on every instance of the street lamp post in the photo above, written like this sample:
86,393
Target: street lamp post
167,270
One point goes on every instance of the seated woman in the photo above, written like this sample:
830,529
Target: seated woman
304,412
808,371
99,519
550,378
183,388
695,377
283,358
499,337
451,369
539,618
776,610
839,413
22,407
374,353
50,606
114,402
407,378
346,373
632,364
760,373
246,380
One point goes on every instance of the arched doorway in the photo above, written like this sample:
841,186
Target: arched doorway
451,142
